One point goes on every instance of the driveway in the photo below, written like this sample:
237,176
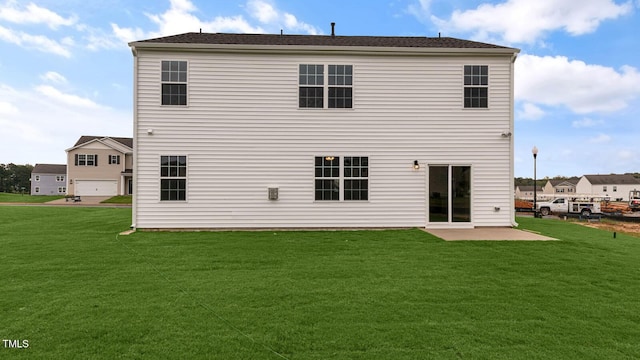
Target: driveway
84,200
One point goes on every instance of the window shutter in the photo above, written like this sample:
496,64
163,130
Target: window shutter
118,160
76,159
95,160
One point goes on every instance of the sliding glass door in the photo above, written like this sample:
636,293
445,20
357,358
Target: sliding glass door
449,193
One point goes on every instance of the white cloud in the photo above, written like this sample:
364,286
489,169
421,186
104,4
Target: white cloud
586,123
583,88
267,14
33,14
38,42
600,139
47,125
626,154
181,17
530,112
263,11
53,77
7,108
67,99
421,10
527,21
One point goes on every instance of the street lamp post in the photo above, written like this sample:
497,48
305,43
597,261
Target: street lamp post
534,151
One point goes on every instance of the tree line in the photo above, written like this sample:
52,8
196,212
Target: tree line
15,178
520,181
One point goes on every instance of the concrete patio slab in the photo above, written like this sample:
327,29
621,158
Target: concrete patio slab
488,234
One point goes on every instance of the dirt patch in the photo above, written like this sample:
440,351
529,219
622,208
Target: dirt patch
632,229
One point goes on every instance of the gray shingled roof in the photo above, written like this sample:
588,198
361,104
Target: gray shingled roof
572,181
321,40
85,138
49,169
626,179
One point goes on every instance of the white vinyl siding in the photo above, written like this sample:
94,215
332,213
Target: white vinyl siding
244,132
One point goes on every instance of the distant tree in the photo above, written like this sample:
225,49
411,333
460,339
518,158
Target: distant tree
4,178
15,178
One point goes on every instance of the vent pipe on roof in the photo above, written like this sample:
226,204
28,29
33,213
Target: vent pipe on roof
333,29
438,35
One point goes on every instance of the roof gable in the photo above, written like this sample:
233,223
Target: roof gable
49,169
124,145
564,182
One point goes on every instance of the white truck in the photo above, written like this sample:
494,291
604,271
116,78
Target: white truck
569,206
634,200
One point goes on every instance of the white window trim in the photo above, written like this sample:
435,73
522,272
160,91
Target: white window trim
186,181
341,179
326,86
488,86
172,82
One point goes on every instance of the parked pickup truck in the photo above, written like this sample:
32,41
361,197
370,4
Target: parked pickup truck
634,200
567,206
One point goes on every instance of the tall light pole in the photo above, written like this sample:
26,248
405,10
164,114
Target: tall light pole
534,151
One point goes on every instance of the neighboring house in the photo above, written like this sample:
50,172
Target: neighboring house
100,166
615,187
305,131
526,192
561,186
49,179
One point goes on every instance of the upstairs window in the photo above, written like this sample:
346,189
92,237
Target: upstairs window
340,86
114,159
335,85
174,83
311,81
37,178
60,178
86,160
476,86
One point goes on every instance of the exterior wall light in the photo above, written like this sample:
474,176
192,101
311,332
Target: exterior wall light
416,165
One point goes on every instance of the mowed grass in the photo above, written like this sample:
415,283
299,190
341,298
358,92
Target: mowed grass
26,198
74,289
120,199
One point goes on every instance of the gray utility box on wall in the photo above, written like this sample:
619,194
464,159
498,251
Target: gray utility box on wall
273,193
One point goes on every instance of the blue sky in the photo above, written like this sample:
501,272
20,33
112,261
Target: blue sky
66,69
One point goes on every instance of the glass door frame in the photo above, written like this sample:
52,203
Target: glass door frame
449,223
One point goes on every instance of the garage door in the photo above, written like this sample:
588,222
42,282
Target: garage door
96,187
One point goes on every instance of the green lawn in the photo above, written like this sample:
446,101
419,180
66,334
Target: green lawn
120,199
75,290
26,198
